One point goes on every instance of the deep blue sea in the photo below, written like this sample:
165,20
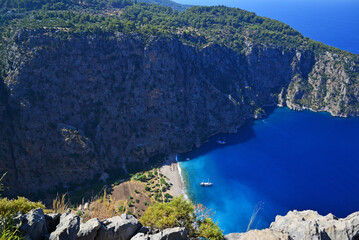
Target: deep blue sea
289,160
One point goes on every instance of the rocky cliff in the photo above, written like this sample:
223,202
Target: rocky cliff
305,225
72,108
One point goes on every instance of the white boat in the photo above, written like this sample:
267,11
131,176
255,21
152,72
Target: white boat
219,141
206,184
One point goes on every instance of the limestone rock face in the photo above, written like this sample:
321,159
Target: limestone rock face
72,109
89,229
33,224
305,225
266,234
52,220
118,228
176,233
68,227
310,225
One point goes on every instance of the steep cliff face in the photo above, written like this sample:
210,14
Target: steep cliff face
73,108
331,86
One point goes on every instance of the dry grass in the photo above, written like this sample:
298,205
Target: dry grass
61,204
103,207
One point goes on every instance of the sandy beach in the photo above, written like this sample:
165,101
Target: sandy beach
171,170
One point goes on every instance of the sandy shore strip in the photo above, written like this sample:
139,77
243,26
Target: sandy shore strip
171,169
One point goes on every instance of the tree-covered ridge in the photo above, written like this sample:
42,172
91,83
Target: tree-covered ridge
227,26
28,5
197,26
167,3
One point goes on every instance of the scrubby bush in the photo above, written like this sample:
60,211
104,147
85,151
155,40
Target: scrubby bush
163,181
210,230
141,178
181,213
177,213
20,204
167,195
8,209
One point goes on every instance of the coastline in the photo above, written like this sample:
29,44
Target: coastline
172,171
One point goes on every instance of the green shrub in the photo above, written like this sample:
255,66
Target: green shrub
141,177
163,181
210,230
177,213
167,195
20,204
8,209
120,209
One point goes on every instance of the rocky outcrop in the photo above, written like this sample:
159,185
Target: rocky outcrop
33,224
67,229
125,227
306,225
88,230
77,107
296,225
266,234
120,227
177,233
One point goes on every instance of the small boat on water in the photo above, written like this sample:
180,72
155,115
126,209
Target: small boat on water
206,184
219,141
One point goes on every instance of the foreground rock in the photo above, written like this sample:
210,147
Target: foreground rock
36,225
118,228
67,228
305,225
266,234
88,230
176,233
33,224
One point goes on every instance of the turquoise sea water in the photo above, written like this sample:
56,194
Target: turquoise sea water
290,160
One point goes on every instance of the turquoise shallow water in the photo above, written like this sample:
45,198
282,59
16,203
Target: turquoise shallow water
290,160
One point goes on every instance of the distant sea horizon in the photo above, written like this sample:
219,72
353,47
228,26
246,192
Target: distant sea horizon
333,22
289,160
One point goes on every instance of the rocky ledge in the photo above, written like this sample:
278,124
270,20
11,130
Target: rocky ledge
296,225
39,226
305,225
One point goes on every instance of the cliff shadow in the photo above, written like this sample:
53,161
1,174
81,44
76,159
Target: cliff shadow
243,134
